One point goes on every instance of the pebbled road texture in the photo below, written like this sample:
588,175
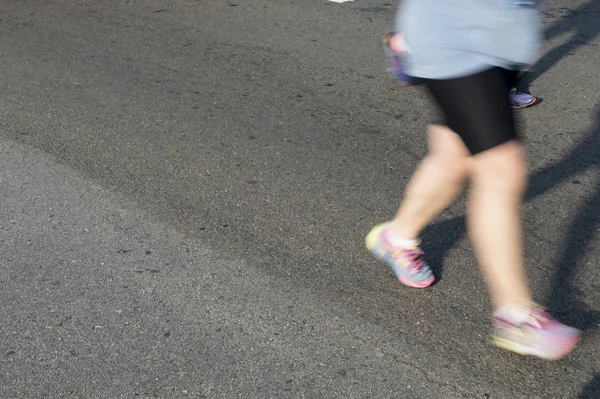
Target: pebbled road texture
186,186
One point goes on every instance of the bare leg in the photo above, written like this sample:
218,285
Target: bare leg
435,184
498,182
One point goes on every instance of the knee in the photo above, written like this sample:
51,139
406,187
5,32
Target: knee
502,169
453,169
448,153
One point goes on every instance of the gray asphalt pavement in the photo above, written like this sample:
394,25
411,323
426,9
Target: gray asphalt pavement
185,187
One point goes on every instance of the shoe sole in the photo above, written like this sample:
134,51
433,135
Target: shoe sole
371,244
525,350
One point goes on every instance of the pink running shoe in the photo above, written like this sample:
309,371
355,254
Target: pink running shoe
406,263
540,335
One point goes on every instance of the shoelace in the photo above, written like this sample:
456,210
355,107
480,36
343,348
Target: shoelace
539,315
413,255
536,318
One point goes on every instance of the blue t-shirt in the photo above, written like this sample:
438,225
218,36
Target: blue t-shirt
453,38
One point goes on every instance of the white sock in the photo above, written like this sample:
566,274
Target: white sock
398,241
514,314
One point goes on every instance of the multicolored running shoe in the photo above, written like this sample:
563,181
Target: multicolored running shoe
519,99
540,335
406,263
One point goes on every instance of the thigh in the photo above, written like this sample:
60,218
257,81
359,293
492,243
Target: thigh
477,107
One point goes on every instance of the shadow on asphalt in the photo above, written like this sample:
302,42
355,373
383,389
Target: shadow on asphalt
565,300
591,390
581,23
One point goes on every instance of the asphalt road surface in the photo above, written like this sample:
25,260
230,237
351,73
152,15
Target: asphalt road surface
185,187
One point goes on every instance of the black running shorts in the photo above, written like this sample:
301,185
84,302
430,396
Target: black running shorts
477,107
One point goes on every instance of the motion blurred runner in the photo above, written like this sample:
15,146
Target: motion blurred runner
468,53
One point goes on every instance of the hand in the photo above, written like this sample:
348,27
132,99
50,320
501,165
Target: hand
397,43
